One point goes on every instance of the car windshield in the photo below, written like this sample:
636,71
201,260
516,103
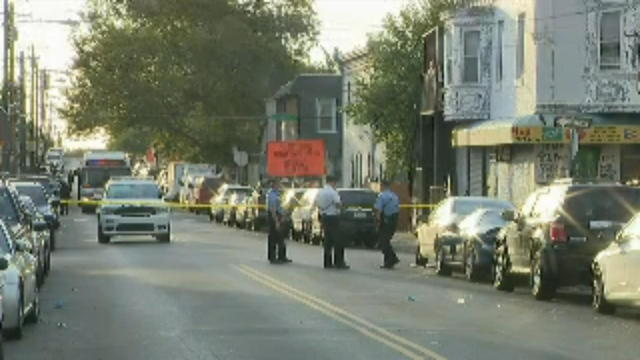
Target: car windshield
358,198
617,204
7,208
98,177
464,207
36,193
133,191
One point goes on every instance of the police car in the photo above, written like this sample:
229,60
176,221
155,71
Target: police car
133,206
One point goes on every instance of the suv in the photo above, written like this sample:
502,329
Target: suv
133,206
554,238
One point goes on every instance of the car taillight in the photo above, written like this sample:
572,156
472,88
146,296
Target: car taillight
558,232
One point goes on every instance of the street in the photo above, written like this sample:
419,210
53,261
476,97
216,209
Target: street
210,294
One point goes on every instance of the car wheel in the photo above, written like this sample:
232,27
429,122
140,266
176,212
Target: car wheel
420,260
370,241
52,240
16,332
502,278
599,301
471,265
102,238
165,238
34,314
47,266
40,273
442,268
542,287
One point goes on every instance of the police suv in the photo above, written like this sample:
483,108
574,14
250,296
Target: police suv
133,206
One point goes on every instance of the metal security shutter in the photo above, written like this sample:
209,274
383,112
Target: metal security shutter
476,171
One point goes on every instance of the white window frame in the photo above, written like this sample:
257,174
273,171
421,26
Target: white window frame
464,55
610,67
334,124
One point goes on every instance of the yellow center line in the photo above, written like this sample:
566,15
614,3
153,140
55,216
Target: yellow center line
402,345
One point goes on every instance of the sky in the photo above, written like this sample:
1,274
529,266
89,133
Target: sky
344,24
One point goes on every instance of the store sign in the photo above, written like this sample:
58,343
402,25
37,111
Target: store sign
296,158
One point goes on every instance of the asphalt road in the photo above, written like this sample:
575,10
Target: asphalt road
210,294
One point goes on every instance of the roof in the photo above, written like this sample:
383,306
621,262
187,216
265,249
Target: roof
304,82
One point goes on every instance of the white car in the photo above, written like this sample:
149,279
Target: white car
20,297
133,206
615,271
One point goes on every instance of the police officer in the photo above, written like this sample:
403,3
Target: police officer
387,208
328,203
276,248
65,196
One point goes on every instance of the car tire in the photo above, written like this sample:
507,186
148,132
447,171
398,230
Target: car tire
471,265
442,268
47,266
542,287
502,278
420,260
599,301
52,240
16,332
34,314
102,238
165,238
40,272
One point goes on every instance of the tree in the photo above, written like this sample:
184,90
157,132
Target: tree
190,76
389,92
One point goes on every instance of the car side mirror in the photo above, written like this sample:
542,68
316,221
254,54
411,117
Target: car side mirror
4,263
40,226
509,215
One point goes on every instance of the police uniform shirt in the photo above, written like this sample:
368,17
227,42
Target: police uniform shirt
388,203
328,201
273,201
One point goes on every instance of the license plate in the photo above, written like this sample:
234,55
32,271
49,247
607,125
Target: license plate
360,215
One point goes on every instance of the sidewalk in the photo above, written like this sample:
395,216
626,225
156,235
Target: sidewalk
404,242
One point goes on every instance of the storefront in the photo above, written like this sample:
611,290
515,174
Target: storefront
511,158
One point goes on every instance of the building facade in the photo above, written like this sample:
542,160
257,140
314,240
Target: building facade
541,90
363,158
308,107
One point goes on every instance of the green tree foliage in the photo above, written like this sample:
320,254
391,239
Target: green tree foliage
389,93
189,75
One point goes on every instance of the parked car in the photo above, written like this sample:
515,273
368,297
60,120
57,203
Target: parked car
357,218
554,238
220,201
203,190
302,217
38,194
256,217
439,235
230,211
290,201
40,237
478,232
615,271
20,297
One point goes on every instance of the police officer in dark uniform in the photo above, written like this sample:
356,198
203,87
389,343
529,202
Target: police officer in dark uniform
65,196
276,247
387,208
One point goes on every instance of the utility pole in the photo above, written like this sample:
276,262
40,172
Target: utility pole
6,87
43,104
22,115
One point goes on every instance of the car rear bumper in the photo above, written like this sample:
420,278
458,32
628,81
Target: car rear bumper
568,268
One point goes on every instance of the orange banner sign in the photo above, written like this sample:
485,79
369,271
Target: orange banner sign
296,158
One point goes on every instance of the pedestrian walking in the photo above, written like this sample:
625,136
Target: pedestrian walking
328,203
65,196
276,247
387,208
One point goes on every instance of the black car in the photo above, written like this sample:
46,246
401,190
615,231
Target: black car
38,194
357,218
554,238
478,232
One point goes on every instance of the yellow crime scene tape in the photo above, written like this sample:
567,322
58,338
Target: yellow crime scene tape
97,203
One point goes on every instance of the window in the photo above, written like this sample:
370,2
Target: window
499,51
471,71
326,115
610,24
449,61
521,50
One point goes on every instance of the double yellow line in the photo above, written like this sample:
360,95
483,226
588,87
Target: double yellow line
405,347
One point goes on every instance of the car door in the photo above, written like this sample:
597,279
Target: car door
621,264
427,232
23,260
